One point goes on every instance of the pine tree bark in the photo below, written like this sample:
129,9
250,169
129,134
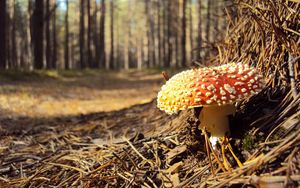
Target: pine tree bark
208,21
54,36
150,33
177,32
28,46
139,45
199,37
66,50
102,35
48,39
81,36
38,34
208,30
164,34
183,36
89,34
127,36
111,58
169,34
2,34
191,31
118,51
160,49
14,46
96,60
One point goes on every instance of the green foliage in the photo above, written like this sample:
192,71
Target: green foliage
251,141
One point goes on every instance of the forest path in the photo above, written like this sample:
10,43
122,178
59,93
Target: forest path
75,93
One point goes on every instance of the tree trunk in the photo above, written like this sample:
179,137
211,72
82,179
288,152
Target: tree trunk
150,33
169,33
2,34
111,59
139,45
127,36
191,31
81,36
89,34
160,49
54,37
14,46
208,21
176,35
208,17
66,54
72,51
183,36
118,52
96,60
28,46
164,34
102,35
216,20
38,34
199,37
48,38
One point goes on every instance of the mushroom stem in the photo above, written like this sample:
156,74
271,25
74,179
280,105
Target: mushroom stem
215,119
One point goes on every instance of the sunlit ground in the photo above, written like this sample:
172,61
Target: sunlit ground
52,94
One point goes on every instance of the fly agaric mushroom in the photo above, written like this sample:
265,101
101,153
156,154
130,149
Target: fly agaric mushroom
216,89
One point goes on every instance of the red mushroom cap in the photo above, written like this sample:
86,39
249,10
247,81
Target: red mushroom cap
219,85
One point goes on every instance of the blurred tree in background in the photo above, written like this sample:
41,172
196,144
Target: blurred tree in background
110,34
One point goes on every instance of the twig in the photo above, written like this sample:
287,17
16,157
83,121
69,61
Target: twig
190,180
132,161
165,75
135,150
67,166
291,62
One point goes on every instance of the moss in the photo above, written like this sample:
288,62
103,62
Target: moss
251,141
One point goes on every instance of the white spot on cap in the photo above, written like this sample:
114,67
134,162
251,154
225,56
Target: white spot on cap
189,94
208,101
211,87
214,97
222,92
197,99
250,73
198,94
208,94
244,90
228,88
191,85
239,83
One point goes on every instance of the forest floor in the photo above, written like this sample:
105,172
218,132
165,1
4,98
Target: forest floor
92,129
102,105
53,94
95,107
